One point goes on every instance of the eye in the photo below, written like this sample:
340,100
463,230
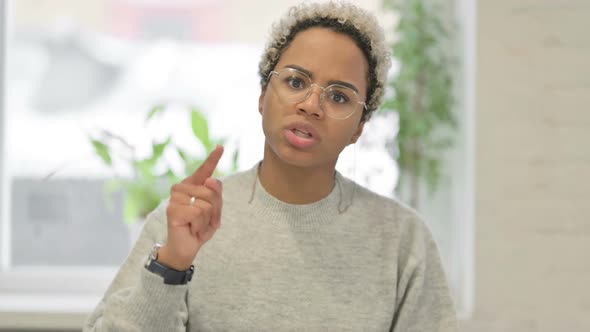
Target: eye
338,97
295,83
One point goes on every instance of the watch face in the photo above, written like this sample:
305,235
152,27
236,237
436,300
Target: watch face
149,260
153,254
155,250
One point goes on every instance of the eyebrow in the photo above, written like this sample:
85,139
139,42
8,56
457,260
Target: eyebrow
310,74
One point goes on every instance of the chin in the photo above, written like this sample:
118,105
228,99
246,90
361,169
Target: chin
296,157
291,156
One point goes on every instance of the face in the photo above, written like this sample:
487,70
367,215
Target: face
300,133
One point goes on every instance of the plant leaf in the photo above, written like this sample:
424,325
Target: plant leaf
200,128
141,198
102,150
155,110
145,168
158,149
131,208
110,188
183,155
172,178
235,160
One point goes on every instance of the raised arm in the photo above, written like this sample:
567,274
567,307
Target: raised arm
140,300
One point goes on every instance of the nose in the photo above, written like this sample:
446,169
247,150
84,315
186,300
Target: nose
312,104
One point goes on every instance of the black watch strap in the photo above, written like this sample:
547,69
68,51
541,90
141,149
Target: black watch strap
170,275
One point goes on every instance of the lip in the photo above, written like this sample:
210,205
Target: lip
298,142
305,127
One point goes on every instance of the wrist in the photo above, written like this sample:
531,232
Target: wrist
169,259
172,272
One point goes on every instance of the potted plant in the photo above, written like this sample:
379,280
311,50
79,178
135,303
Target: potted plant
422,95
152,176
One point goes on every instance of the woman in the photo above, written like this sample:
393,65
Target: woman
301,246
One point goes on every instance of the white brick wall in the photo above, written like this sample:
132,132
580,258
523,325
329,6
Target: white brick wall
533,167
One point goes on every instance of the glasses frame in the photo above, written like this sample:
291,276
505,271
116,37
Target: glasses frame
322,95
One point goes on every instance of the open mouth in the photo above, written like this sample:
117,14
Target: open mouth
301,136
301,133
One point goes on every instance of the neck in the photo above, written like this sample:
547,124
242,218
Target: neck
294,184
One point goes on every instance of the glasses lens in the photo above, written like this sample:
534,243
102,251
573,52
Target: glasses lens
339,102
292,85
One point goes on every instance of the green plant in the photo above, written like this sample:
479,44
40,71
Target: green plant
422,94
152,176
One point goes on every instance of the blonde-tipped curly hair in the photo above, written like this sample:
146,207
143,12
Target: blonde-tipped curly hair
341,17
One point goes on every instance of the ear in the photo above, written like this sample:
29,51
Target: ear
261,100
358,133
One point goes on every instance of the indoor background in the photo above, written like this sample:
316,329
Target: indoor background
512,220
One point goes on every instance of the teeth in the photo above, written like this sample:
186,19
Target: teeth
301,133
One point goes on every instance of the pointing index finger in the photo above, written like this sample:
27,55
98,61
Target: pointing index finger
207,168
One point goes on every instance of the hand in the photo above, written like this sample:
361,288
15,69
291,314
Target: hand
191,225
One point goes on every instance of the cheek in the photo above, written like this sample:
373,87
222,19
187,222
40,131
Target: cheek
341,136
272,106
348,130
268,111
262,103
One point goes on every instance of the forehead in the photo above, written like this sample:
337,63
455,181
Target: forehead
328,55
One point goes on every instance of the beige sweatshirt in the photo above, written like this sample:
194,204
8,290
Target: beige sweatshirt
353,261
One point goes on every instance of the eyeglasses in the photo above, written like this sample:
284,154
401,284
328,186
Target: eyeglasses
337,101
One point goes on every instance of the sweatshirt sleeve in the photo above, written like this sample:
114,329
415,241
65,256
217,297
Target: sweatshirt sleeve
138,300
423,300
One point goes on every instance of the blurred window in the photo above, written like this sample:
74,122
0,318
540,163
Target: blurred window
72,68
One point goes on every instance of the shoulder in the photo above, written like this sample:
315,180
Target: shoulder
238,179
395,219
387,209
238,185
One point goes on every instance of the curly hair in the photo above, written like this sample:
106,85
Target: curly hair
340,17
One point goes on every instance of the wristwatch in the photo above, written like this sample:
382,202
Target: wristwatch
170,275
